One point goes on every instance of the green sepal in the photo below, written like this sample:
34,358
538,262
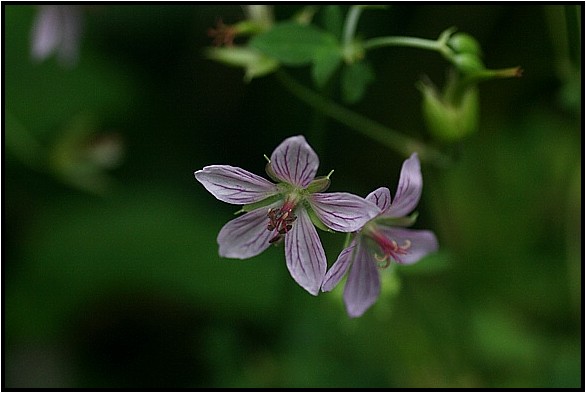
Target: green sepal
319,184
315,219
265,202
406,221
271,173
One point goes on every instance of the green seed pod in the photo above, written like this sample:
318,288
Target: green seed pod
468,63
464,43
450,122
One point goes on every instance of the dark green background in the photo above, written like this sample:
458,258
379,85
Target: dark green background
126,290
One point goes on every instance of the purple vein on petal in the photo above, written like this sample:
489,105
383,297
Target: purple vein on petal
305,256
235,185
247,235
342,211
381,197
295,162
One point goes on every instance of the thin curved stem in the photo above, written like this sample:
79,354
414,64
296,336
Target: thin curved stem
413,42
351,23
386,136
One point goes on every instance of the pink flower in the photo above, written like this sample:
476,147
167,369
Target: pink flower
381,241
287,210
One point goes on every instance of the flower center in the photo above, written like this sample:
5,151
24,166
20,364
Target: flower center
281,221
390,249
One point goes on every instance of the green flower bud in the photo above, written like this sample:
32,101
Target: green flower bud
450,121
467,63
464,43
254,63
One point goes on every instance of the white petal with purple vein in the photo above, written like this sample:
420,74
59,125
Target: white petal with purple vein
246,236
339,268
295,162
235,185
409,189
381,197
306,259
363,284
341,211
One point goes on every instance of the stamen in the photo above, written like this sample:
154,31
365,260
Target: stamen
391,250
280,220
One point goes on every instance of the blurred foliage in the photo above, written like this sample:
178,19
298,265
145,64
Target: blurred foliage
111,272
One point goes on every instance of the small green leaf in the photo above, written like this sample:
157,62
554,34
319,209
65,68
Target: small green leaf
325,64
333,20
294,44
355,79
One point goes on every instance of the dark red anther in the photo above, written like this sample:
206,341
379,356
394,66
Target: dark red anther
281,221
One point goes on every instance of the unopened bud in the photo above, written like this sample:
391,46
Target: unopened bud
468,63
448,121
464,43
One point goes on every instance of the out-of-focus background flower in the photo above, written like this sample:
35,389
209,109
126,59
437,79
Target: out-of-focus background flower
111,272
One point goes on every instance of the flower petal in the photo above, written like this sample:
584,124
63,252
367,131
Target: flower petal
341,211
363,284
339,268
295,162
381,197
421,242
409,189
235,185
46,32
246,236
306,259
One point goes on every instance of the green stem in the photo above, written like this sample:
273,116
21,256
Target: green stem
413,42
367,127
351,23
440,45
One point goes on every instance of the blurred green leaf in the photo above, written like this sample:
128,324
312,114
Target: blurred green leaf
294,44
326,62
333,20
355,79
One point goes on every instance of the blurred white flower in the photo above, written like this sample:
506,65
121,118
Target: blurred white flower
57,29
